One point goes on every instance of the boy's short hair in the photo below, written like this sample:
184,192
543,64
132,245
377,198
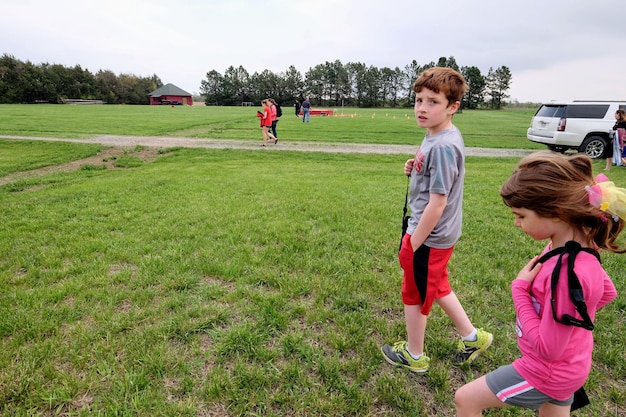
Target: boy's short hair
442,80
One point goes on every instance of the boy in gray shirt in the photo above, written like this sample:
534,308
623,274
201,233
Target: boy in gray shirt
436,198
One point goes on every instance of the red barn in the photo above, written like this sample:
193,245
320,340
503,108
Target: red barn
169,94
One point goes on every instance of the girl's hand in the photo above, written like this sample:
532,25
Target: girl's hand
529,272
408,167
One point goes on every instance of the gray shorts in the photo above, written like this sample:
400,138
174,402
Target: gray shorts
512,389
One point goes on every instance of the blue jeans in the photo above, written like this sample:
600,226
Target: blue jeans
306,115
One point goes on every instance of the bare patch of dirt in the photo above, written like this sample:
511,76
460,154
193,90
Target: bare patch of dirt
106,158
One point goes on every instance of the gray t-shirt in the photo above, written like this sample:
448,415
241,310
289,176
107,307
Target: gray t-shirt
439,168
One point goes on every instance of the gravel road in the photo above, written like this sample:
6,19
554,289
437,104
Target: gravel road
168,142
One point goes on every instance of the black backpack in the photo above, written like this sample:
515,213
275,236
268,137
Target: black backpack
279,111
577,297
575,289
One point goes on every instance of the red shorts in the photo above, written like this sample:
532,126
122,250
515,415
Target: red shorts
425,274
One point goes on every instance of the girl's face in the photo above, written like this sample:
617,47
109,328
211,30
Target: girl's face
535,226
432,111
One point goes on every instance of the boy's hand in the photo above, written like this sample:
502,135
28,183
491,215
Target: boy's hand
529,272
408,167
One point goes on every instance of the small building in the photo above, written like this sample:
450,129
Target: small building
169,94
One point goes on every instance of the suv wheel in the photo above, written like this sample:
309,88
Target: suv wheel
593,146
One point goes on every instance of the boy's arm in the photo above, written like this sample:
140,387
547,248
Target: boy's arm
430,218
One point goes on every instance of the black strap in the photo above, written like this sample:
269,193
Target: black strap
406,197
575,289
405,218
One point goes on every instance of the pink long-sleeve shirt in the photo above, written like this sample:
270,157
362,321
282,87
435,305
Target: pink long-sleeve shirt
556,358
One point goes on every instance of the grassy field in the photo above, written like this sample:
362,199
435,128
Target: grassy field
246,283
492,129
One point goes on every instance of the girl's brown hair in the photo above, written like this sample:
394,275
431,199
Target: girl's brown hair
621,115
553,186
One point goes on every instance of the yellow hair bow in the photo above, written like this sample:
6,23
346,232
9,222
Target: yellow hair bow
607,197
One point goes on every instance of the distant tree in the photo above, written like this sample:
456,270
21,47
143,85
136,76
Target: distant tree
30,85
344,88
476,87
109,86
316,84
264,85
497,84
293,84
448,63
135,89
356,77
392,85
142,89
156,81
8,78
327,84
236,85
84,83
411,72
373,90
212,88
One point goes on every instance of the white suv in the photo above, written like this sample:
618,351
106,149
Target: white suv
580,125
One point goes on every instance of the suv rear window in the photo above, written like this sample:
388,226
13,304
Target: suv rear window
587,111
551,111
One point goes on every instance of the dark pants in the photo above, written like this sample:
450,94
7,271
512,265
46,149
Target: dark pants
274,123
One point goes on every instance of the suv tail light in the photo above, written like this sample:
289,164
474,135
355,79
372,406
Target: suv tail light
561,127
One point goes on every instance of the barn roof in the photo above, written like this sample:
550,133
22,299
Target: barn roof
169,90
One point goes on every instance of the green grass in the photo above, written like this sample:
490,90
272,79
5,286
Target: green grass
240,283
493,129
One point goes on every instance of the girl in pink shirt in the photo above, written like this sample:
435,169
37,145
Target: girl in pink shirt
554,197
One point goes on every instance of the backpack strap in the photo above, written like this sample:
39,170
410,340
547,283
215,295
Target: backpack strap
405,218
575,289
406,197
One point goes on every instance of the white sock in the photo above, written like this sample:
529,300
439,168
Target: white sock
415,356
472,337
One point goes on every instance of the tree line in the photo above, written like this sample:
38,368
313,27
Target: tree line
354,84
25,82
332,84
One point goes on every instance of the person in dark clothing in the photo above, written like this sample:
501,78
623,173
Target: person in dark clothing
614,148
306,111
297,106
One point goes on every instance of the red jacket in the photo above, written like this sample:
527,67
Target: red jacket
265,116
266,119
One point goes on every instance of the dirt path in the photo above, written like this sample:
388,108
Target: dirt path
151,145
170,142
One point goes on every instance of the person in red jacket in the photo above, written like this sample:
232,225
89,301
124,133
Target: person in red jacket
266,123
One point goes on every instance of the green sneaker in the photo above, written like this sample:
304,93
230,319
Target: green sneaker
467,351
398,355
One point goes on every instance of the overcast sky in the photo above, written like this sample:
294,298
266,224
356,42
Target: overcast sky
555,49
